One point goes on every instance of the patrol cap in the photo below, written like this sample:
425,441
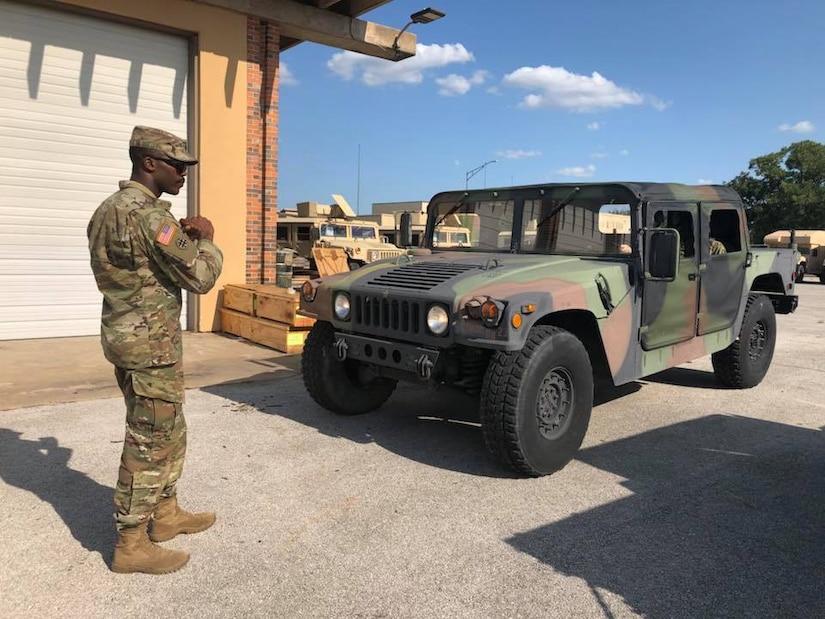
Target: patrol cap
162,141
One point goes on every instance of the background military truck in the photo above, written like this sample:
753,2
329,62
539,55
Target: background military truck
313,225
390,227
811,247
531,328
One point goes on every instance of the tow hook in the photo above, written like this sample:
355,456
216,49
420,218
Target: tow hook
424,367
341,347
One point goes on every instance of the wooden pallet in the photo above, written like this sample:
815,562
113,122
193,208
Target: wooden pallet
266,315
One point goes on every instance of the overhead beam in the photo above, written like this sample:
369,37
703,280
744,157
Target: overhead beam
309,23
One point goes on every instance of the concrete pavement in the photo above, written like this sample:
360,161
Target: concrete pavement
72,369
686,500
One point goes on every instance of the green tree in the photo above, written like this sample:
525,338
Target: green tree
785,189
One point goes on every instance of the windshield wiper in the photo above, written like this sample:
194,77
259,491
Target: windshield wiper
559,206
451,211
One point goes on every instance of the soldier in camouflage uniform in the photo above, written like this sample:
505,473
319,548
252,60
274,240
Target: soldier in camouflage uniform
142,258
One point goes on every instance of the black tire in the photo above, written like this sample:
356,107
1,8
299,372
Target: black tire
536,402
744,363
354,265
822,278
337,385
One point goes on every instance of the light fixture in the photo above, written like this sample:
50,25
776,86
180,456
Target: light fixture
471,173
424,16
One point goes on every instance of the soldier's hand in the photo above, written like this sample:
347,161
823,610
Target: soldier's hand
198,227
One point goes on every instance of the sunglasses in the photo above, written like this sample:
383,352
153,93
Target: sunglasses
179,166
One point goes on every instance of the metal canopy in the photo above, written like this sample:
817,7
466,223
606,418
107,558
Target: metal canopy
329,22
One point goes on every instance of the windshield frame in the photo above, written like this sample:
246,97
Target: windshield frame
586,198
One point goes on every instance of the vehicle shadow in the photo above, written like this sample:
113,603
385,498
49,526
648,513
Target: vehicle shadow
440,428
42,467
726,520
686,377
435,427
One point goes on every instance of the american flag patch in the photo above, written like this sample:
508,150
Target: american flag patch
165,234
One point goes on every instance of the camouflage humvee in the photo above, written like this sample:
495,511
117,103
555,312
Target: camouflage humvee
529,327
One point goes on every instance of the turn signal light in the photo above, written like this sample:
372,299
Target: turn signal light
492,312
308,291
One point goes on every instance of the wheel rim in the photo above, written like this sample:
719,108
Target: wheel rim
554,404
758,340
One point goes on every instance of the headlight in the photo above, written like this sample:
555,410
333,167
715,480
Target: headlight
342,306
438,319
372,255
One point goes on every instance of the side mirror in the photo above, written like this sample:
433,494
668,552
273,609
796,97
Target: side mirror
661,255
314,234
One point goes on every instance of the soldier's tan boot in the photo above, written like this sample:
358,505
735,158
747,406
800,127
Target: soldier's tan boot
134,552
168,520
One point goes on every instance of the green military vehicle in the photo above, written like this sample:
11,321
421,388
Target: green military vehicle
532,327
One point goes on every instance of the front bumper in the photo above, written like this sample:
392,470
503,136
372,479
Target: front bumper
397,356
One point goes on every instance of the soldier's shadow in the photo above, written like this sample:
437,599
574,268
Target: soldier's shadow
42,467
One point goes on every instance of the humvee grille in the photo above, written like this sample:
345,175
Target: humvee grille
377,312
420,275
388,253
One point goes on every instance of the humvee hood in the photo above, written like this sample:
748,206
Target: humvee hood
563,281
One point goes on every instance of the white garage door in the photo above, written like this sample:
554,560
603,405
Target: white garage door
71,89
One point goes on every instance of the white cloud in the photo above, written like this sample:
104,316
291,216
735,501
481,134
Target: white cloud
455,84
595,126
704,181
377,72
556,87
518,154
286,77
578,171
803,126
624,152
599,156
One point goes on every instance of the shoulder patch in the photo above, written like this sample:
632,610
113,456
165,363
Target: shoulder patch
174,242
165,234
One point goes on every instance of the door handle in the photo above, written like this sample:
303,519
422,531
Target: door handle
692,276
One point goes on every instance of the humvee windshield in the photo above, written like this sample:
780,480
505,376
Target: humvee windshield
363,232
339,231
334,231
559,220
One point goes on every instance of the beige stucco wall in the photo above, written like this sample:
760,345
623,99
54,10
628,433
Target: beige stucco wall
219,127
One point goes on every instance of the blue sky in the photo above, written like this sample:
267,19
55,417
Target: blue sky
593,90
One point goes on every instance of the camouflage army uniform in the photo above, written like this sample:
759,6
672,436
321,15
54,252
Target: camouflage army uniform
141,259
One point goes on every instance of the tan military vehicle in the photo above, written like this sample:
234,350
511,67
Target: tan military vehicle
449,234
811,246
314,225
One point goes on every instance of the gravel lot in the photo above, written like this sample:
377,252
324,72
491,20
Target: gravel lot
685,500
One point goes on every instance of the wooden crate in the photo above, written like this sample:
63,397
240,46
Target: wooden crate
280,305
276,335
330,260
240,298
266,301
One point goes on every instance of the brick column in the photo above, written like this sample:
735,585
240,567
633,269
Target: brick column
263,41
